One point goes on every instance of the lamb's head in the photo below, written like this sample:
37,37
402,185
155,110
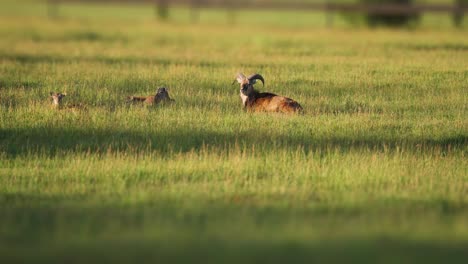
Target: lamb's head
57,97
247,83
163,95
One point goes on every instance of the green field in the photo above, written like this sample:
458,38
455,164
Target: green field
376,170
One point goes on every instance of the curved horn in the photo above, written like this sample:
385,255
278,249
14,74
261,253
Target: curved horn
240,78
252,78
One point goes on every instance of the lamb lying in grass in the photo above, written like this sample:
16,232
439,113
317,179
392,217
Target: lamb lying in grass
58,104
161,96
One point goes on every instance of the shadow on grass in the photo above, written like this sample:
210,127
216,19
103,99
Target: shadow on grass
64,228
52,141
33,59
26,58
73,36
435,47
219,251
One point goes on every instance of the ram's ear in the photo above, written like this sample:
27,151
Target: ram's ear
240,78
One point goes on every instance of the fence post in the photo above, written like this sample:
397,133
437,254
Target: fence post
231,12
329,19
328,14
458,12
162,9
52,9
195,11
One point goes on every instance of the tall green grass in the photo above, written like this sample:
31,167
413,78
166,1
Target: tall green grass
374,171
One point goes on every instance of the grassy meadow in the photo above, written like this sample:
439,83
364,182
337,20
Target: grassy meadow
376,170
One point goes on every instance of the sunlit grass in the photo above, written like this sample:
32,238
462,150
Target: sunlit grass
375,170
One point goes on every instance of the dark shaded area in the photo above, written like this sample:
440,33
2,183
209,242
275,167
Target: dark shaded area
50,59
26,84
97,232
90,36
389,18
41,211
216,251
25,58
435,47
53,140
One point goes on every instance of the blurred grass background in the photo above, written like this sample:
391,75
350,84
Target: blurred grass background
375,171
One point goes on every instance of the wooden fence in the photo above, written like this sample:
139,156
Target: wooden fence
457,9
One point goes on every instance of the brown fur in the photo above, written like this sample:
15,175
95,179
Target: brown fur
265,102
269,102
137,98
58,104
161,96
